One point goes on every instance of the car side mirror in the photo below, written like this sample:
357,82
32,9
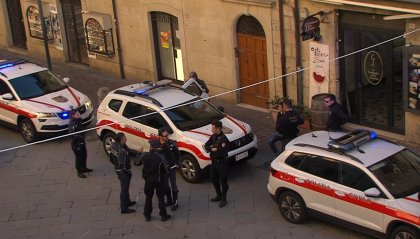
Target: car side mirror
7,96
66,79
372,192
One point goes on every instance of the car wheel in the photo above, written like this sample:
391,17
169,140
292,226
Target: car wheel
190,170
28,130
404,232
292,207
107,141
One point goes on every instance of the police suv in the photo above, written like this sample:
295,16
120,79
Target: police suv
36,101
139,110
355,179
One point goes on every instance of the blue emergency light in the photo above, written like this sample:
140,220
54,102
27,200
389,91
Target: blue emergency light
10,63
63,115
353,139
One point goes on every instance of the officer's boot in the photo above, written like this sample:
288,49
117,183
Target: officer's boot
218,192
169,201
223,201
175,201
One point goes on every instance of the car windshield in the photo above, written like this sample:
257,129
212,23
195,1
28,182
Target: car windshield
37,84
399,173
194,115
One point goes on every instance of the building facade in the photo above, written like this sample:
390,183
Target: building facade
298,48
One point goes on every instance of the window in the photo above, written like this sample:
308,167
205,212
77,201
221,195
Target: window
4,89
354,177
144,115
115,105
99,40
194,88
295,160
322,167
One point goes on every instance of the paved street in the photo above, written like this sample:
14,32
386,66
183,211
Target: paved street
42,197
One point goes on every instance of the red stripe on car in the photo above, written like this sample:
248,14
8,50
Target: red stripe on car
237,124
17,111
141,134
74,96
357,201
47,104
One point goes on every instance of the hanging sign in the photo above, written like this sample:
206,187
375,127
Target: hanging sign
311,29
373,67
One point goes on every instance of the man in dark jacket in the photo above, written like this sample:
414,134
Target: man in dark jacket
171,152
203,85
119,155
155,170
218,146
286,126
78,144
336,117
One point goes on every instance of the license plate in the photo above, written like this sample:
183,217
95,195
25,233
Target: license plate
241,156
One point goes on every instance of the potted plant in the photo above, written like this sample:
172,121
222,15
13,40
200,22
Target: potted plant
273,105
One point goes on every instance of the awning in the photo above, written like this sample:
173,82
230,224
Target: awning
405,7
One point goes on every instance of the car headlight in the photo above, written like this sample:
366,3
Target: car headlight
88,104
46,115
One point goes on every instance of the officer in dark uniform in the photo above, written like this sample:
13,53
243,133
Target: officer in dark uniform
78,144
171,152
218,146
336,116
155,174
120,157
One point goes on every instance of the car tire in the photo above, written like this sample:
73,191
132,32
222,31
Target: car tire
28,130
292,207
107,141
404,232
189,168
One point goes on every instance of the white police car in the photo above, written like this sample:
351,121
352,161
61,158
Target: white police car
37,101
357,180
139,110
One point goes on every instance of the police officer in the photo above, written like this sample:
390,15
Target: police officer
155,170
120,157
78,144
218,146
171,152
336,116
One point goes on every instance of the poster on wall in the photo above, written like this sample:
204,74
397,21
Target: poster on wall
164,39
319,71
414,82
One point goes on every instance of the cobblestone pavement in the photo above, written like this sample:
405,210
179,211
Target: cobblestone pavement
41,196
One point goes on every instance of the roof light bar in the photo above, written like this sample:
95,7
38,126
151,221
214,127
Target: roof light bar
10,63
352,140
148,85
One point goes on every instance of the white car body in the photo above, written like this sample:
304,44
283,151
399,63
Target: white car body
49,112
365,211
189,142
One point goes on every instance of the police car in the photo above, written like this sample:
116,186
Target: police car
37,101
355,179
139,110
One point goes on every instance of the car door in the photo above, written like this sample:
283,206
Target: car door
315,184
352,204
7,107
132,124
192,86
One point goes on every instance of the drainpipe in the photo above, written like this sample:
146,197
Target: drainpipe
117,33
299,75
44,34
283,49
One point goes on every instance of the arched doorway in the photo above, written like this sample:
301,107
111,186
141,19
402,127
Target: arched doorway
252,53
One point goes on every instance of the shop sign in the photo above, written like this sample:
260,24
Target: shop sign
319,57
373,67
311,29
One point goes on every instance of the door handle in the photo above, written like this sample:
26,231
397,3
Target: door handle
339,193
300,180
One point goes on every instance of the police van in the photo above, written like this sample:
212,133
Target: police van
139,110
355,179
36,101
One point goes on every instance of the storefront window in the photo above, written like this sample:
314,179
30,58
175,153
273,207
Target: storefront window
413,81
34,23
99,40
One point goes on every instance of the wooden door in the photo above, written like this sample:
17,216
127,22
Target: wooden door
253,69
